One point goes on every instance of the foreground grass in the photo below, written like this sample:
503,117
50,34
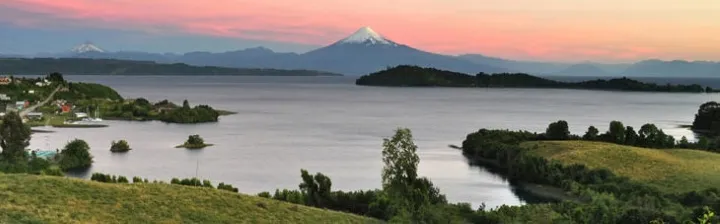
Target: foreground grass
671,170
41,199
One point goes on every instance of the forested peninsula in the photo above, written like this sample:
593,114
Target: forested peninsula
85,66
414,76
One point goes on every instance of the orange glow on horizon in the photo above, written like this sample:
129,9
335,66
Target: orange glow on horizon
604,30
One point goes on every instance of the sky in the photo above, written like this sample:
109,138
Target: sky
545,30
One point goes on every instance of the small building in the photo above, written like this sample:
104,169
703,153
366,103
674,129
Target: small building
66,108
5,81
81,115
32,91
40,84
19,105
35,115
4,97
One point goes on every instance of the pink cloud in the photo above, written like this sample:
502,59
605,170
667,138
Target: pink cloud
447,27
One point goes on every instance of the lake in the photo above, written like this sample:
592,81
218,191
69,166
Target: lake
329,125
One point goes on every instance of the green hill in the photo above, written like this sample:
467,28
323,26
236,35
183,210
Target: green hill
43,199
670,170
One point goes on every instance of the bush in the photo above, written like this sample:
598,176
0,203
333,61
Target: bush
52,172
120,146
228,187
122,179
137,180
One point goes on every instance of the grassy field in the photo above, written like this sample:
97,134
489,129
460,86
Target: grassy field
41,199
672,170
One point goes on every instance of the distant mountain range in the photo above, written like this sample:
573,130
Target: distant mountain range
89,66
366,51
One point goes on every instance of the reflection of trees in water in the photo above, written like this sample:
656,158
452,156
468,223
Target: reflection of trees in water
515,186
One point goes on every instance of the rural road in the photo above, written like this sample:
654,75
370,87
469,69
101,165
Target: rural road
24,112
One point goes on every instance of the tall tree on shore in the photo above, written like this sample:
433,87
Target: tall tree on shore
14,137
411,198
616,132
558,130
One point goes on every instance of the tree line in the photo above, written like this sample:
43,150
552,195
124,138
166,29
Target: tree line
405,75
648,136
141,109
194,182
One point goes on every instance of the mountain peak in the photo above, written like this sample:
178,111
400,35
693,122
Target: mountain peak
86,47
366,35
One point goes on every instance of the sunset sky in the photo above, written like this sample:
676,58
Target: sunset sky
548,30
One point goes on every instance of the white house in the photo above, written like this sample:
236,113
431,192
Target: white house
81,115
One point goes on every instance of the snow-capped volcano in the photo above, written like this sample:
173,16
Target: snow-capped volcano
86,47
366,35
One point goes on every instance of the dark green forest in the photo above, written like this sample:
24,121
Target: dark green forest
83,66
409,76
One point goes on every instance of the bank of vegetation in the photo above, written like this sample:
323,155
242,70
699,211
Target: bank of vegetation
141,109
611,179
410,76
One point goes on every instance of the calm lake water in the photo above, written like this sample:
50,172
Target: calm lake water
329,125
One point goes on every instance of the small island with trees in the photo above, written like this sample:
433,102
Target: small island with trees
120,146
194,142
414,76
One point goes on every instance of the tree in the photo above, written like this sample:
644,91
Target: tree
317,188
14,138
616,133
591,134
56,77
75,155
703,143
558,130
684,143
186,105
195,140
410,197
631,136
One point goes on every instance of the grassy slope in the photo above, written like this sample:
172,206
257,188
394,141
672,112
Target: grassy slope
39,199
674,170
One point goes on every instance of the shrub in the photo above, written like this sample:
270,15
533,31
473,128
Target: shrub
228,187
120,146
